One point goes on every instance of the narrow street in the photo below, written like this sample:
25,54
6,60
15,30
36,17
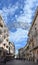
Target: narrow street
19,62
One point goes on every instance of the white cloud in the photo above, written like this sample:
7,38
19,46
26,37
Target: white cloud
18,45
28,12
10,10
18,35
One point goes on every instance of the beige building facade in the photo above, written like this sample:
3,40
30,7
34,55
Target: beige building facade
20,53
11,49
4,41
3,38
33,37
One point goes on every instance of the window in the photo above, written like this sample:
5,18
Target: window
6,46
6,39
1,39
4,36
0,31
0,52
1,25
7,34
4,30
35,28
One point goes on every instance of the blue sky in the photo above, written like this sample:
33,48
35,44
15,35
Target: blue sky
18,16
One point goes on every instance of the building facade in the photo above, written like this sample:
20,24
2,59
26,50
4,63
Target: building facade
20,53
4,41
26,52
3,38
33,38
11,49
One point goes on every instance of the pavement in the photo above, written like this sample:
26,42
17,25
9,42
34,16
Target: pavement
19,62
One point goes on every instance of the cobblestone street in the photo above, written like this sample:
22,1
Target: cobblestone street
19,62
